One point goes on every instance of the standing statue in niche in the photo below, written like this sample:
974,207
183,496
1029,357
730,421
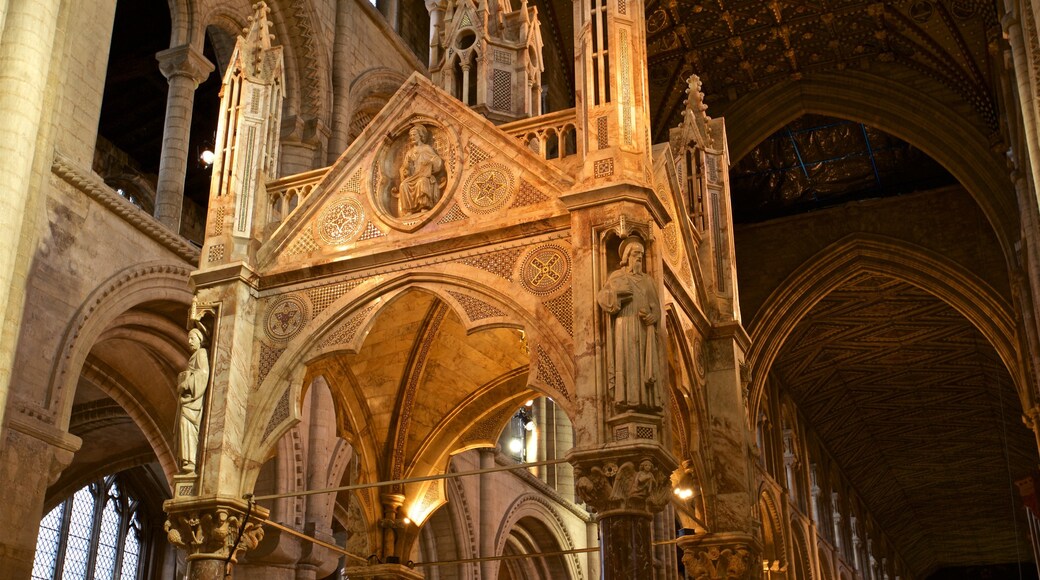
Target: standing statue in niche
191,387
630,298
420,173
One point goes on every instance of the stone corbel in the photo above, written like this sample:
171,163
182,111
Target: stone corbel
208,531
722,556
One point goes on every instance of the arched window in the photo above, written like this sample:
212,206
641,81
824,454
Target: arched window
94,534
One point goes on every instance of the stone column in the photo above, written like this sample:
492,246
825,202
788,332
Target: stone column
32,456
213,533
487,522
720,556
26,44
625,488
185,68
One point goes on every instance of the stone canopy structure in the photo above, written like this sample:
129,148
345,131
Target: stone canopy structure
518,289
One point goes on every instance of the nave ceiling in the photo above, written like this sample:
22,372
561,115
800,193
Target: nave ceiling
921,415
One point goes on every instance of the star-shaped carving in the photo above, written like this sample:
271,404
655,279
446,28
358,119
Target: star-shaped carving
488,186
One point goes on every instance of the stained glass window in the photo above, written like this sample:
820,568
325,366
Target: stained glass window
93,535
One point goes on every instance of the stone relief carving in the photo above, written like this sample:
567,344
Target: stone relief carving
713,563
627,486
629,297
213,533
421,175
191,388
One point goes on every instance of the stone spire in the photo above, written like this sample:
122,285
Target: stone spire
489,56
611,92
247,145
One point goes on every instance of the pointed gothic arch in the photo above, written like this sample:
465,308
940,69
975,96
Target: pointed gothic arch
948,281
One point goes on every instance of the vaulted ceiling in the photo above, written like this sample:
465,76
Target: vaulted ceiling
921,414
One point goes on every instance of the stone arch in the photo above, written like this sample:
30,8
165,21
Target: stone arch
536,508
948,281
157,281
308,91
921,120
280,409
369,92
183,15
774,536
803,565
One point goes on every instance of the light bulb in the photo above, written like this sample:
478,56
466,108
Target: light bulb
207,157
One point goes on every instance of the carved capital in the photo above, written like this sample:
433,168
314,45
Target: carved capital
184,61
633,479
720,557
213,531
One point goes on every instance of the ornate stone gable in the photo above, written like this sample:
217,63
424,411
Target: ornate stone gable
427,170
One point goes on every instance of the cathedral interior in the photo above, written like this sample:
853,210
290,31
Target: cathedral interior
520,289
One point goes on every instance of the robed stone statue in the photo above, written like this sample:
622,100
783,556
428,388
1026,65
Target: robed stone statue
191,388
629,297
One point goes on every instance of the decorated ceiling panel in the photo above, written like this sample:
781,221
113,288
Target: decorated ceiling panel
921,415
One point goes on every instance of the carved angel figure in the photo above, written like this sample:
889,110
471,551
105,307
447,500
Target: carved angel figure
420,171
630,298
191,387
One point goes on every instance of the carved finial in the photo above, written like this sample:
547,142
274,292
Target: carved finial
259,32
694,127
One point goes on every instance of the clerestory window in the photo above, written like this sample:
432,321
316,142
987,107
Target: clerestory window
93,535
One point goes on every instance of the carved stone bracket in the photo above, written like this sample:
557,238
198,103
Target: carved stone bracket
212,530
632,479
720,556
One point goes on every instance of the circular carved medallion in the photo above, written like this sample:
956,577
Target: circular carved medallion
488,189
671,242
545,270
285,318
341,221
698,357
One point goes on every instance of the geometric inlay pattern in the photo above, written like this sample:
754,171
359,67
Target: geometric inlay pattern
268,356
285,318
545,269
454,214
487,189
475,154
548,374
476,309
603,167
281,413
920,413
346,332
502,89
528,195
498,263
341,221
322,296
562,308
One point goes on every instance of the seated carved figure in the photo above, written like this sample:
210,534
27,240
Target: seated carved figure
420,170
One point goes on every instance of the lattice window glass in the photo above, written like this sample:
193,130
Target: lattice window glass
80,530
132,549
108,541
93,535
47,544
